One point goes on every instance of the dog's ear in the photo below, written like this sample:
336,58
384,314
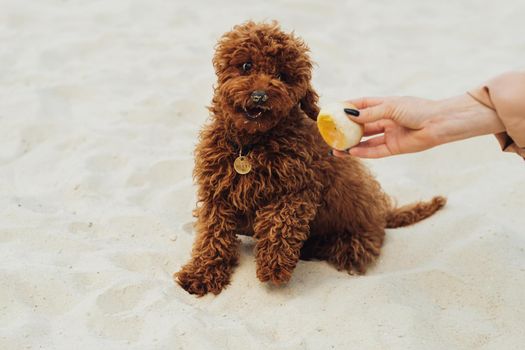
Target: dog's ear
309,103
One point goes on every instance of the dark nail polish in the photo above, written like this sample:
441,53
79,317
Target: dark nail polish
352,111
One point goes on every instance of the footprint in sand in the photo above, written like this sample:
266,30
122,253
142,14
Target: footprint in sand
188,227
169,172
28,139
149,263
46,294
105,162
162,173
121,298
115,315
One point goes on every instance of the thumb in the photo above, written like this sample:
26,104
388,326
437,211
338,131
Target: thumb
367,115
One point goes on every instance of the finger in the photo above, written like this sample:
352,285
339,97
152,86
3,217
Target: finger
373,142
365,102
370,143
374,128
339,154
371,152
371,114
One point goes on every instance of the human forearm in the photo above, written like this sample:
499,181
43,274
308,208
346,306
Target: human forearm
462,117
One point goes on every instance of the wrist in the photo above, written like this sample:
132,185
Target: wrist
463,117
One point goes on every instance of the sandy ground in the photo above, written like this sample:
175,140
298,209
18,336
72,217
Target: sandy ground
100,104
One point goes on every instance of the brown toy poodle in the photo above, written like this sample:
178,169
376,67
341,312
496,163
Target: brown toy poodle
263,170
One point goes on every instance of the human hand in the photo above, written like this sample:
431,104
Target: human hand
398,125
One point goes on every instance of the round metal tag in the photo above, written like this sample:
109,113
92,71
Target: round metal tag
242,165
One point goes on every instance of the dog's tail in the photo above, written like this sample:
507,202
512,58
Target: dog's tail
412,213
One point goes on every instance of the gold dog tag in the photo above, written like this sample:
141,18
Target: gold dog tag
242,165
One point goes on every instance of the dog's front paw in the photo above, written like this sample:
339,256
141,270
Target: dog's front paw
275,261
200,280
273,273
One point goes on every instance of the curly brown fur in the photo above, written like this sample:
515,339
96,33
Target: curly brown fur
298,201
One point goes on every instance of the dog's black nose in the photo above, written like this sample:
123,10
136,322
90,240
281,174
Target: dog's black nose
259,96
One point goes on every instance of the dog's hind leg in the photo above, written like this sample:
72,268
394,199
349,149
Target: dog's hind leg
316,248
355,252
346,251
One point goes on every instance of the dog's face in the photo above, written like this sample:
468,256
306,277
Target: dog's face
262,74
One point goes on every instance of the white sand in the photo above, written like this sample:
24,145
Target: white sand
100,104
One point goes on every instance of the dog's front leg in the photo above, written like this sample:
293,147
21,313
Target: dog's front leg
281,228
215,251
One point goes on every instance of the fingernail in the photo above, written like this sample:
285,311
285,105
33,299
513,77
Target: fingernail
331,152
352,111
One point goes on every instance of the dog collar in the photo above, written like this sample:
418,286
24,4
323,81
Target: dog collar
242,149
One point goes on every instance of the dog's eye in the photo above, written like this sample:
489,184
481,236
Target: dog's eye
282,77
246,66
